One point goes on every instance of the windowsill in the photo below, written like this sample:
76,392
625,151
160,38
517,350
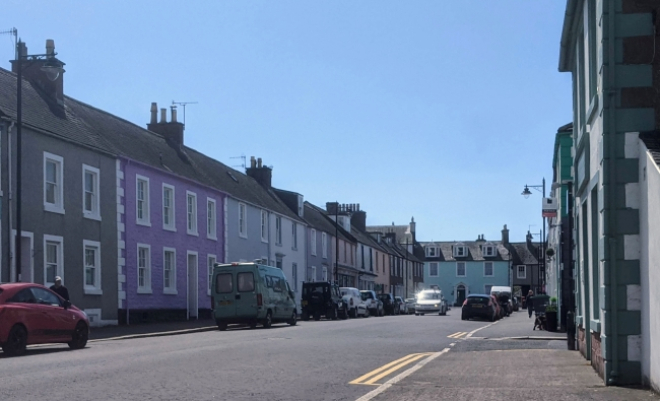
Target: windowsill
143,223
144,291
53,209
170,229
93,291
313,254
294,248
276,244
244,236
594,326
214,238
193,233
170,291
208,292
486,275
92,216
264,241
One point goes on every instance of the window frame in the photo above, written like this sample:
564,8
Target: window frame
324,274
172,215
194,231
437,269
492,267
313,242
461,254
524,276
92,289
264,226
58,206
209,266
464,269
172,288
59,268
324,245
490,249
431,252
144,221
211,219
242,220
278,230
294,235
147,288
95,213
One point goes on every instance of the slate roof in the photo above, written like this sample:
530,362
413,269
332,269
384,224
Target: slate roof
523,253
97,129
652,142
319,220
402,232
474,251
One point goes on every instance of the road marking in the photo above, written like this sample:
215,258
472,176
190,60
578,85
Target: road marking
470,334
458,335
375,392
374,375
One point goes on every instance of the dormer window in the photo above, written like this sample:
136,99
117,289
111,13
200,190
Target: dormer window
488,250
460,251
431,251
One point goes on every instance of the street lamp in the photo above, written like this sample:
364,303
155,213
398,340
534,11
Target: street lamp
52,68
526,193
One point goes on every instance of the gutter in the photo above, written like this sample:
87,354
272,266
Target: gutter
565,44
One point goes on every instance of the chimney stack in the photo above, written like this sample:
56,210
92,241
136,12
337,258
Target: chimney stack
262,174
51,90
172,131
173,109
413,228
505,236
154,113
359,220
163,116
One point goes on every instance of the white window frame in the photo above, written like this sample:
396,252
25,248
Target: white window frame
59,269
294,235
464,269
92,289
146,218
324,245
242,220
313,278
462,253
437,269
58,206
488,251
524,271
95,213
313,242
209,266
211,219
264,226
492,266
431,252
278,230
324,274
172,212
191,220
172,288
145,289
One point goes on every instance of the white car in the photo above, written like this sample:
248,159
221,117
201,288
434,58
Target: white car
430,301
356,306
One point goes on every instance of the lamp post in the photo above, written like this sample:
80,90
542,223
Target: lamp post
52,67
526,193
337,242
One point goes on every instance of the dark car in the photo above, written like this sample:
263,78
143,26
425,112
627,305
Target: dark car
479,305
390,306
322,299
33,314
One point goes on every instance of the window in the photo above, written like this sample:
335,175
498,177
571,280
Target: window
211,231
362,255
92,260
53,259
44,297
277,284
142,201
278,230
53,183
294,235
431,252
224,283
313,242
91,199
264,226
433,269
212,259
460,269
324,245
312,275
246,281
488,269
168,208
460,251
169,271
522,271
144,269
278,262
191,211
324,274
488,250
294,276
242,220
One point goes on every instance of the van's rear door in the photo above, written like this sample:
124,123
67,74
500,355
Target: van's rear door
245,295
224,294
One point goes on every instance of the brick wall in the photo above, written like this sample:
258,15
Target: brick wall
597,355
582,342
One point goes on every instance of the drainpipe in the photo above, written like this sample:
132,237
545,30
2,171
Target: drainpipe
10,195
608,141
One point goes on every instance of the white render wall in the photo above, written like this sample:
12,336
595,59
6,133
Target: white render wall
288,253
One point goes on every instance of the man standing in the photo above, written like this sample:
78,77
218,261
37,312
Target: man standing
530,303
59,288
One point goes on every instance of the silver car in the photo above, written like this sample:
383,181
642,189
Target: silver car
410,305
430,301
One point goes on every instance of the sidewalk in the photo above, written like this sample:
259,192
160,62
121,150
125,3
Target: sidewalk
517,326
151,329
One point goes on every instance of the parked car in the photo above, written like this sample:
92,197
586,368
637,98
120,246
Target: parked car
516,304
251,293
498,309
479,305
430,301
390,306
373,304
410,305
33,314
403,307
322,299
503,295
354,302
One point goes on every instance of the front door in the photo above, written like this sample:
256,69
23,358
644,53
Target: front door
460,295
192,285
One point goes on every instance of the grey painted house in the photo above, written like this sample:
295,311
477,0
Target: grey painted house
69,216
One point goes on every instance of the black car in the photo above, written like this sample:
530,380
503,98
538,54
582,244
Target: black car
390,306
322,299
479,305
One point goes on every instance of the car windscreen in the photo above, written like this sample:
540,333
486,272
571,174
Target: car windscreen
223,283
313,289
428,295
477,300
364,296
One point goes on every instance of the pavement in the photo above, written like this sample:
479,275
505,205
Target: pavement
151,330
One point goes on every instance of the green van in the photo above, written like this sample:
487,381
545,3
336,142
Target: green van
251,293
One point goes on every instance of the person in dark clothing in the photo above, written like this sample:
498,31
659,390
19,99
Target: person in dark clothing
60,289
530,303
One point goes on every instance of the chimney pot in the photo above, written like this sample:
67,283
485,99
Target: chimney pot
50,47
163,115
259,162
154,113
253,162
173,108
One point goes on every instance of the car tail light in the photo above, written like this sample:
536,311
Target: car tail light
260,300
465,302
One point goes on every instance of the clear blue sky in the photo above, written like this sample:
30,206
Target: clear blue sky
441,110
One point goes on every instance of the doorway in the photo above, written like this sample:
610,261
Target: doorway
460,294
192,285
27,263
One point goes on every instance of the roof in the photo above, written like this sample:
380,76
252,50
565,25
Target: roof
403,233
566,34
474,251
97,129
652,142
523,253
319,220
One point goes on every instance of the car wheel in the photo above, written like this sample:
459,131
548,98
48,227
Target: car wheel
305,316
80,336
222,326
317,315
16,341
344,314
334,314
268,321
366,313
294,319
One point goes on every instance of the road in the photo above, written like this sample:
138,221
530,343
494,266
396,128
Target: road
310,361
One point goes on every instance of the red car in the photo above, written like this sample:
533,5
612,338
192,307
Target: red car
33,314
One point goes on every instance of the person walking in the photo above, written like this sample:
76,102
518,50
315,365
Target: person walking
530,303
60,289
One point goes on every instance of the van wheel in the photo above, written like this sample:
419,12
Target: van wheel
352,313
16,341
222,326
305,316
268,321
294,319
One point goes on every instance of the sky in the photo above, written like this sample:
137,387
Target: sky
437,110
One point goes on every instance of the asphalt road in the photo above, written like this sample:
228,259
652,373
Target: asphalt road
310,361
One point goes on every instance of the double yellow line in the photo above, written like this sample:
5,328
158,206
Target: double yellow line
372,377
458,335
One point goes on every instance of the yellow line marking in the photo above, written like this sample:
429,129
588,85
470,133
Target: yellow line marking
458,335
397,367
375,372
